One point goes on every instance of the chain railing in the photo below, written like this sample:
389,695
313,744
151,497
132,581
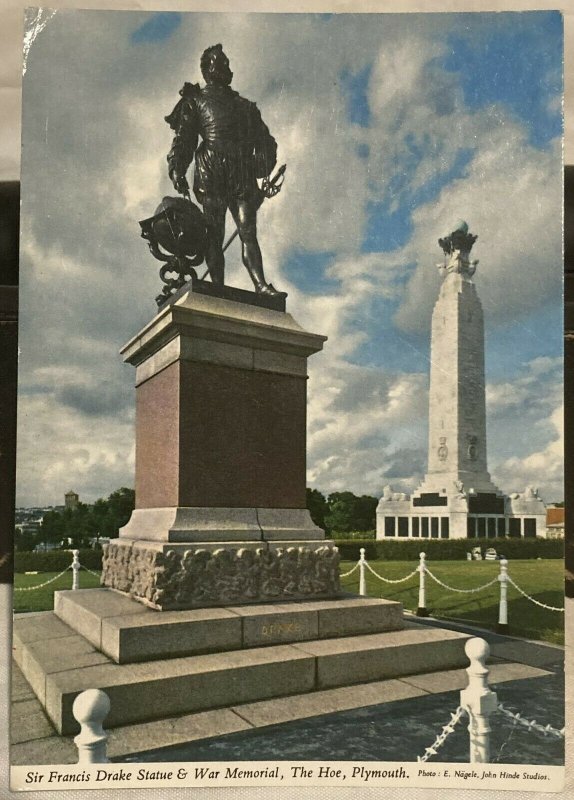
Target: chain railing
350,572
91,571
41,585
481,703
461,591
503,579
532,599
447,729
531,725
75,566
391,580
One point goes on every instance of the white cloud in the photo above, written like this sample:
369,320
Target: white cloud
526,430
543,468
358,419
94,164
62,448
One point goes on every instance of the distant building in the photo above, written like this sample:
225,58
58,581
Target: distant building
97,542
44,547
71,499
554,522
29,526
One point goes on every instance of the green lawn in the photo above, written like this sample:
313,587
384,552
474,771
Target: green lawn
43,599
542,579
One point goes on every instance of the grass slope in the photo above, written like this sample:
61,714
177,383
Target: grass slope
543,580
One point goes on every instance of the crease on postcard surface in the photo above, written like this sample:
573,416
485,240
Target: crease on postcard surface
35,20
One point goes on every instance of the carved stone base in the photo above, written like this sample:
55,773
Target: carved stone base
166,578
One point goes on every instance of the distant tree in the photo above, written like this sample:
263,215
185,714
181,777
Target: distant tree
339,517
121,503
347,512
77,527
317,505
52,530
24,540
366,512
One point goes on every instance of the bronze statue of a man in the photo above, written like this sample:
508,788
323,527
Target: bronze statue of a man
236,150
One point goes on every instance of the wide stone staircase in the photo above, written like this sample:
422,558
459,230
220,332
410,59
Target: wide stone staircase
155,665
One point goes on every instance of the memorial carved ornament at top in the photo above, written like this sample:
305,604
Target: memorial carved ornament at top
456,247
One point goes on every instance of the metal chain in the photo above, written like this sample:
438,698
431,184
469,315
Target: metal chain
532,725
443,736
537,602
350,572
390,580
462,591
40,585
97,574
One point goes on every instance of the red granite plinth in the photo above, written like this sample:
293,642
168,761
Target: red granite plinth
221,396
212,435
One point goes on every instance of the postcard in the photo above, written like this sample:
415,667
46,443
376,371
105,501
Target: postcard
290,474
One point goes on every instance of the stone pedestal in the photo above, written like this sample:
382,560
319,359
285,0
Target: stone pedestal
220,461
156,666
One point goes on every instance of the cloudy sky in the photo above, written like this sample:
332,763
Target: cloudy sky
393,128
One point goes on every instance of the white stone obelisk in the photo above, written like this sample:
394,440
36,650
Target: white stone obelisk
457,406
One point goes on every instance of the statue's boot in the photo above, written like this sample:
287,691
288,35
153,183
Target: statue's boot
261,285
270,291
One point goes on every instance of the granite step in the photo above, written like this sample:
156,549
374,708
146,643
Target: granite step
59,664
128,631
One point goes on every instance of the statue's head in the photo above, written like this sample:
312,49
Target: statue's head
215,66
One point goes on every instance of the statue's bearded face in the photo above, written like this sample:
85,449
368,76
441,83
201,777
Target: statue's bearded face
218,70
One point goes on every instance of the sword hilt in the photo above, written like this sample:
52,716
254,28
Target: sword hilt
272,186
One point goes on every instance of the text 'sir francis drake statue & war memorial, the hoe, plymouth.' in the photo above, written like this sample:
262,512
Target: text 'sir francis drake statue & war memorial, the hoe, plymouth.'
220,590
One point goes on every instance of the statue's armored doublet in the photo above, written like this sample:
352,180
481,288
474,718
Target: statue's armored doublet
236,146
226,120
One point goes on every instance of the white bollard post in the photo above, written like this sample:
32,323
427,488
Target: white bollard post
90,709
502,626
75,569
421,569
362,575
478,700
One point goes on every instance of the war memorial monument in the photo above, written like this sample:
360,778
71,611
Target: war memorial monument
457,498
220,590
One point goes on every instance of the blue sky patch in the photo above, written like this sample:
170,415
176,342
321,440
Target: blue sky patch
355,86
517,64
306,269
385,346
363,150
156,29
386,230
537,334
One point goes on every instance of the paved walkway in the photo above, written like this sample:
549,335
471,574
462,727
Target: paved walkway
385,720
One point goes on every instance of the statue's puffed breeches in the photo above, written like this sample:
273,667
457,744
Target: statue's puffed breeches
227,176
